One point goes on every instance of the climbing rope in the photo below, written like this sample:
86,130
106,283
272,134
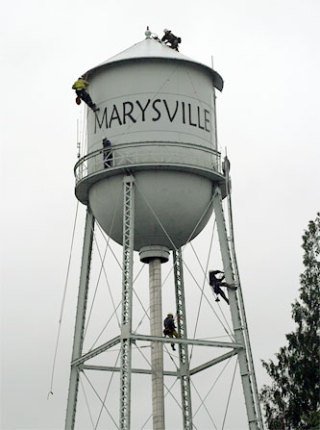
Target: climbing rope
63,303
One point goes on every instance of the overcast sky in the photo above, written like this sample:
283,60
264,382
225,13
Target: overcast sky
267,51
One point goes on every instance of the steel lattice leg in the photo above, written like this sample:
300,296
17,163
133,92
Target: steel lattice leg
183,348
80,321
237,322
126,323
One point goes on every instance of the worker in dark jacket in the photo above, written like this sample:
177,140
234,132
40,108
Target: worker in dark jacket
107,153
80,87
216,278
170,328
170,38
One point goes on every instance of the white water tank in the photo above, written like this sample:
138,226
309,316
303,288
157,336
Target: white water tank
157,109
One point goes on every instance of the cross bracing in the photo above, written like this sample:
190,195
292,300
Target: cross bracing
140,341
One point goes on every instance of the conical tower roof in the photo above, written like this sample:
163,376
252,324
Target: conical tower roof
151,48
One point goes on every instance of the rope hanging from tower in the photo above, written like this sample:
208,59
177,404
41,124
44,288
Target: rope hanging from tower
50,393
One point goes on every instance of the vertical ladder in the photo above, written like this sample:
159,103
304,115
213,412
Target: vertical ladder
126,321
183,348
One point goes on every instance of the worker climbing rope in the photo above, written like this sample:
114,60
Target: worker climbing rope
216,278
170,329
80,87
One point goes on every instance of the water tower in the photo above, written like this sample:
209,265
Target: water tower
152,191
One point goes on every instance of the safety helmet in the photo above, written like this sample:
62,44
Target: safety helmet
166,30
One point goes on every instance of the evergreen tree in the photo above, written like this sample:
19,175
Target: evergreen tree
292,402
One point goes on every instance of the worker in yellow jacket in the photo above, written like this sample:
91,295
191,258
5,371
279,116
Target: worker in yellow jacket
80,87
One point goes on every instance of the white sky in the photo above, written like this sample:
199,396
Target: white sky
268,119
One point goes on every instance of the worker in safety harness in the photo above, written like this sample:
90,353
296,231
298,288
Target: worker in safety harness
216,278
170,38
170,328
80,87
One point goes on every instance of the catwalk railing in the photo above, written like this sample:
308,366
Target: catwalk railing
140,155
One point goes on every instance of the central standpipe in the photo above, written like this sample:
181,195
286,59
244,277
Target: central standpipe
156,347
155,256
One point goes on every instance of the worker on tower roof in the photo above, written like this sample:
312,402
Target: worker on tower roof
80,87
216,278
170,329
170,38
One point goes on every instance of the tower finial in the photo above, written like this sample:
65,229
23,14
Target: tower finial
148,33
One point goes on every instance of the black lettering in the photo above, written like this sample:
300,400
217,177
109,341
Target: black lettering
168,111
199,121
190,119
114,115
125,113
206,120
156,109
143,109
104,118
183,113
189,116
